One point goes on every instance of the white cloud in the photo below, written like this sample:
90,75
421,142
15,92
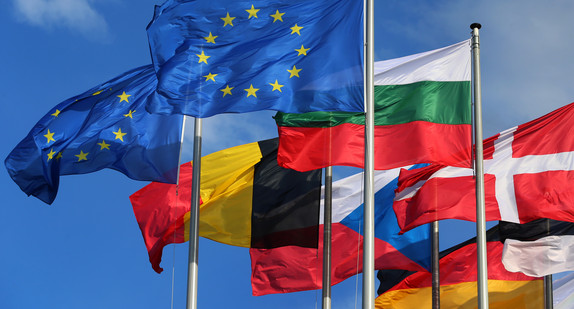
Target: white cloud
76,15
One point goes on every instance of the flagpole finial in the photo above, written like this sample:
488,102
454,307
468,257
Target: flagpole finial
475,25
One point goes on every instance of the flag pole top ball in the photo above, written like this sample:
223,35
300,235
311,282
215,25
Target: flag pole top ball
475,25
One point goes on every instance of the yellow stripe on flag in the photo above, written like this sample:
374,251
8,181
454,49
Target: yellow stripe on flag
501,295
227,194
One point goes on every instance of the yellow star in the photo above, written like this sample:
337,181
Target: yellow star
226,90
120,134
103,145
251,91
276,86
57,113
130,114
277,16
124,97
302,50
97,92
210,76
294,72
51,154
210,38
59,156
82,156
252,12
228,20
202,57
49,136
295,29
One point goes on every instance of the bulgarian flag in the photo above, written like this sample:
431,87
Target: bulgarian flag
528,175
422,115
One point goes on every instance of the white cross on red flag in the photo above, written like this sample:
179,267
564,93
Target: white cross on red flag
529,174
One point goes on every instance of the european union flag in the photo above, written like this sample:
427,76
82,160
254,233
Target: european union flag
229,56
105,127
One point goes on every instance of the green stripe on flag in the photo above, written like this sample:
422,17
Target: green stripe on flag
436,102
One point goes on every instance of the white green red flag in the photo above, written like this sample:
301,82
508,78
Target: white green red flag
422,115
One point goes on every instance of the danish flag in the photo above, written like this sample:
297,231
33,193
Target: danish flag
528,171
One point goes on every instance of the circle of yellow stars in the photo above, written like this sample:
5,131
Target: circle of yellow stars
228,21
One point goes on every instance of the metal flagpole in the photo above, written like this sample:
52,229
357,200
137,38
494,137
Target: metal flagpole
482,276
548,297
435,258
194,220
369,198
327,220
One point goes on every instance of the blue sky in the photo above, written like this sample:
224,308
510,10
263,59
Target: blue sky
86,250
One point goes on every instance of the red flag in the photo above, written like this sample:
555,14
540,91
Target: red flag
160,210
528,171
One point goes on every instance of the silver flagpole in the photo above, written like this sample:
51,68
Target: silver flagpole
548,297
194,220
435,259
327,219
482,276
369,199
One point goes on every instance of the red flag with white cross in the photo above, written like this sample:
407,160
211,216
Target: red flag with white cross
528,169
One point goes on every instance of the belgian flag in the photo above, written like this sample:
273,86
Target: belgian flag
247,200
458,275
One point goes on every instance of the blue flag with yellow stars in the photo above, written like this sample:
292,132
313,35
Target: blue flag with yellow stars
236,56
105,127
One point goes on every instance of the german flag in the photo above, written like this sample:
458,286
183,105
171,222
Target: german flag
247,200
458,275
